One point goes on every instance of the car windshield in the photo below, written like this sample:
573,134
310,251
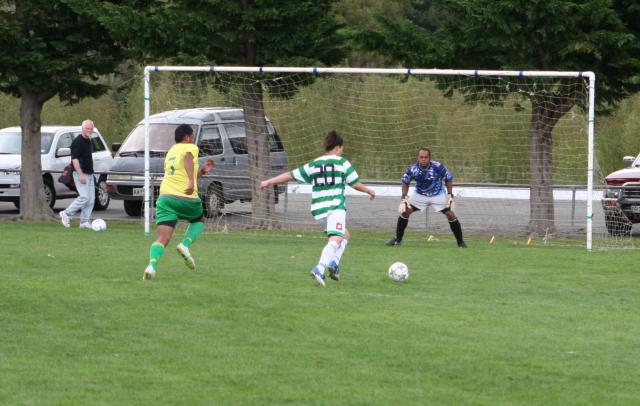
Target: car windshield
161,138
11,142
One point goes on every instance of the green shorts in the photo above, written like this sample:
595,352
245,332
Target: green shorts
170,208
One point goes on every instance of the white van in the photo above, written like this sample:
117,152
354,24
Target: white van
55,155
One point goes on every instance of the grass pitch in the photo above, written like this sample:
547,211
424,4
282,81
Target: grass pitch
495,324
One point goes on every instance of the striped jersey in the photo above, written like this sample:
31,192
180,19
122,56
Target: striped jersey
429,180
328,176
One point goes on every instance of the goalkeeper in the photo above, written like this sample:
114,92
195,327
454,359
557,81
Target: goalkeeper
434,187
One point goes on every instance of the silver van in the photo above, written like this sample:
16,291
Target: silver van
220,135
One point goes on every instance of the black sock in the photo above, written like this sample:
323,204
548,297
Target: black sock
457,230
400,227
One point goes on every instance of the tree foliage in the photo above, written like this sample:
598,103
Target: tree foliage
602,36
49,49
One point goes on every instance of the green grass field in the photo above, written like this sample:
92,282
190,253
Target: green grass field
497,324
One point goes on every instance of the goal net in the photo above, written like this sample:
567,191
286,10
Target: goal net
519,145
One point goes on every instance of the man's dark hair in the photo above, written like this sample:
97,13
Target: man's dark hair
425,149
332,140
182,131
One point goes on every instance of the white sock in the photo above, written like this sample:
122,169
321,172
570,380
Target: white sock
340,251
328,253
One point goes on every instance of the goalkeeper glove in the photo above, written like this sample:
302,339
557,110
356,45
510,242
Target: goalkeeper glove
404,205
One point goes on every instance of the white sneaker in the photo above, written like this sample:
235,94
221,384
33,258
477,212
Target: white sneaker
186,255
66,220
85,225
149,273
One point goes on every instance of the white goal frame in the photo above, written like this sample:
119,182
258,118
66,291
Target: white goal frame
148,70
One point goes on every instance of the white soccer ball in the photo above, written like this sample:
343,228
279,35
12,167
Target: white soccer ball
99,225
398,272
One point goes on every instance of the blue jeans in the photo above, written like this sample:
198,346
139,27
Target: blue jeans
84,202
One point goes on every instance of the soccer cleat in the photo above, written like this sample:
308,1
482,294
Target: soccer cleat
462,244
394,241
317,276
334,271
85,225
66,220
149,273
186,255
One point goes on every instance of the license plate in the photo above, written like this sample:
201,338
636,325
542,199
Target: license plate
138,191
635,209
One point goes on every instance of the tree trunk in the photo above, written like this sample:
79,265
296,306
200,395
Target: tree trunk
541,213
33,205
546,111
262,202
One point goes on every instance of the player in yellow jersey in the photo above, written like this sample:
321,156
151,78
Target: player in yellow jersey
178,199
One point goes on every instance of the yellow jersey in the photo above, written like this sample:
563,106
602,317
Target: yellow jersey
175,179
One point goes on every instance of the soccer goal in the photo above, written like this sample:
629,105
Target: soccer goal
520,145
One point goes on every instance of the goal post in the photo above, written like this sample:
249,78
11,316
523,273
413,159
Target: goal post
489,127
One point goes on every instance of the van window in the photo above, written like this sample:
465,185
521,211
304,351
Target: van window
238,139
96,143
210,141
11,142
161,138
65,140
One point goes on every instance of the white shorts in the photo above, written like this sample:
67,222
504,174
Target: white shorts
421,202
336,223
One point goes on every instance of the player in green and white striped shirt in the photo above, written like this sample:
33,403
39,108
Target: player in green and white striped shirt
328,175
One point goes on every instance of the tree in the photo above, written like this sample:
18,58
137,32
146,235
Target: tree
596,35
47,49
228,32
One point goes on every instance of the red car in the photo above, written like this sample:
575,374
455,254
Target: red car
621,201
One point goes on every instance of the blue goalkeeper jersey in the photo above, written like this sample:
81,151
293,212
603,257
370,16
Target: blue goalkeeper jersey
430,180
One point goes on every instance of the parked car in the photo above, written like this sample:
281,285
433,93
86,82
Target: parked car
220,135
55,155
621,200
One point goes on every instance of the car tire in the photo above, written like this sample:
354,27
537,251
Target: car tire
49,193
133,208
213,201
618,225
102,196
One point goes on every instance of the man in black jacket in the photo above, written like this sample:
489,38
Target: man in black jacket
82,160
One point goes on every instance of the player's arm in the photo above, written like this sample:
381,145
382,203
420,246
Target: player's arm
188,167
276,180
365,189
207,167
449,185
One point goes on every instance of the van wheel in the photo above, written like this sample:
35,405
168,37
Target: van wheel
49,193
213,201
133,208
102,196
617,223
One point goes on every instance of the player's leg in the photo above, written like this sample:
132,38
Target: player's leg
191,211
166,220
416,202
334,264
442,205
335,232
164,232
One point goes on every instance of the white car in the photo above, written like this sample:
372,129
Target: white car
55,155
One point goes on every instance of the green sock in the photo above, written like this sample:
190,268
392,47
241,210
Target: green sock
192,233
155,252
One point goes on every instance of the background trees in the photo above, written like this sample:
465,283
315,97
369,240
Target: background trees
48,49
603,37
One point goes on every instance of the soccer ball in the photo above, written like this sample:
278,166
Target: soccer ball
99,225
398,272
